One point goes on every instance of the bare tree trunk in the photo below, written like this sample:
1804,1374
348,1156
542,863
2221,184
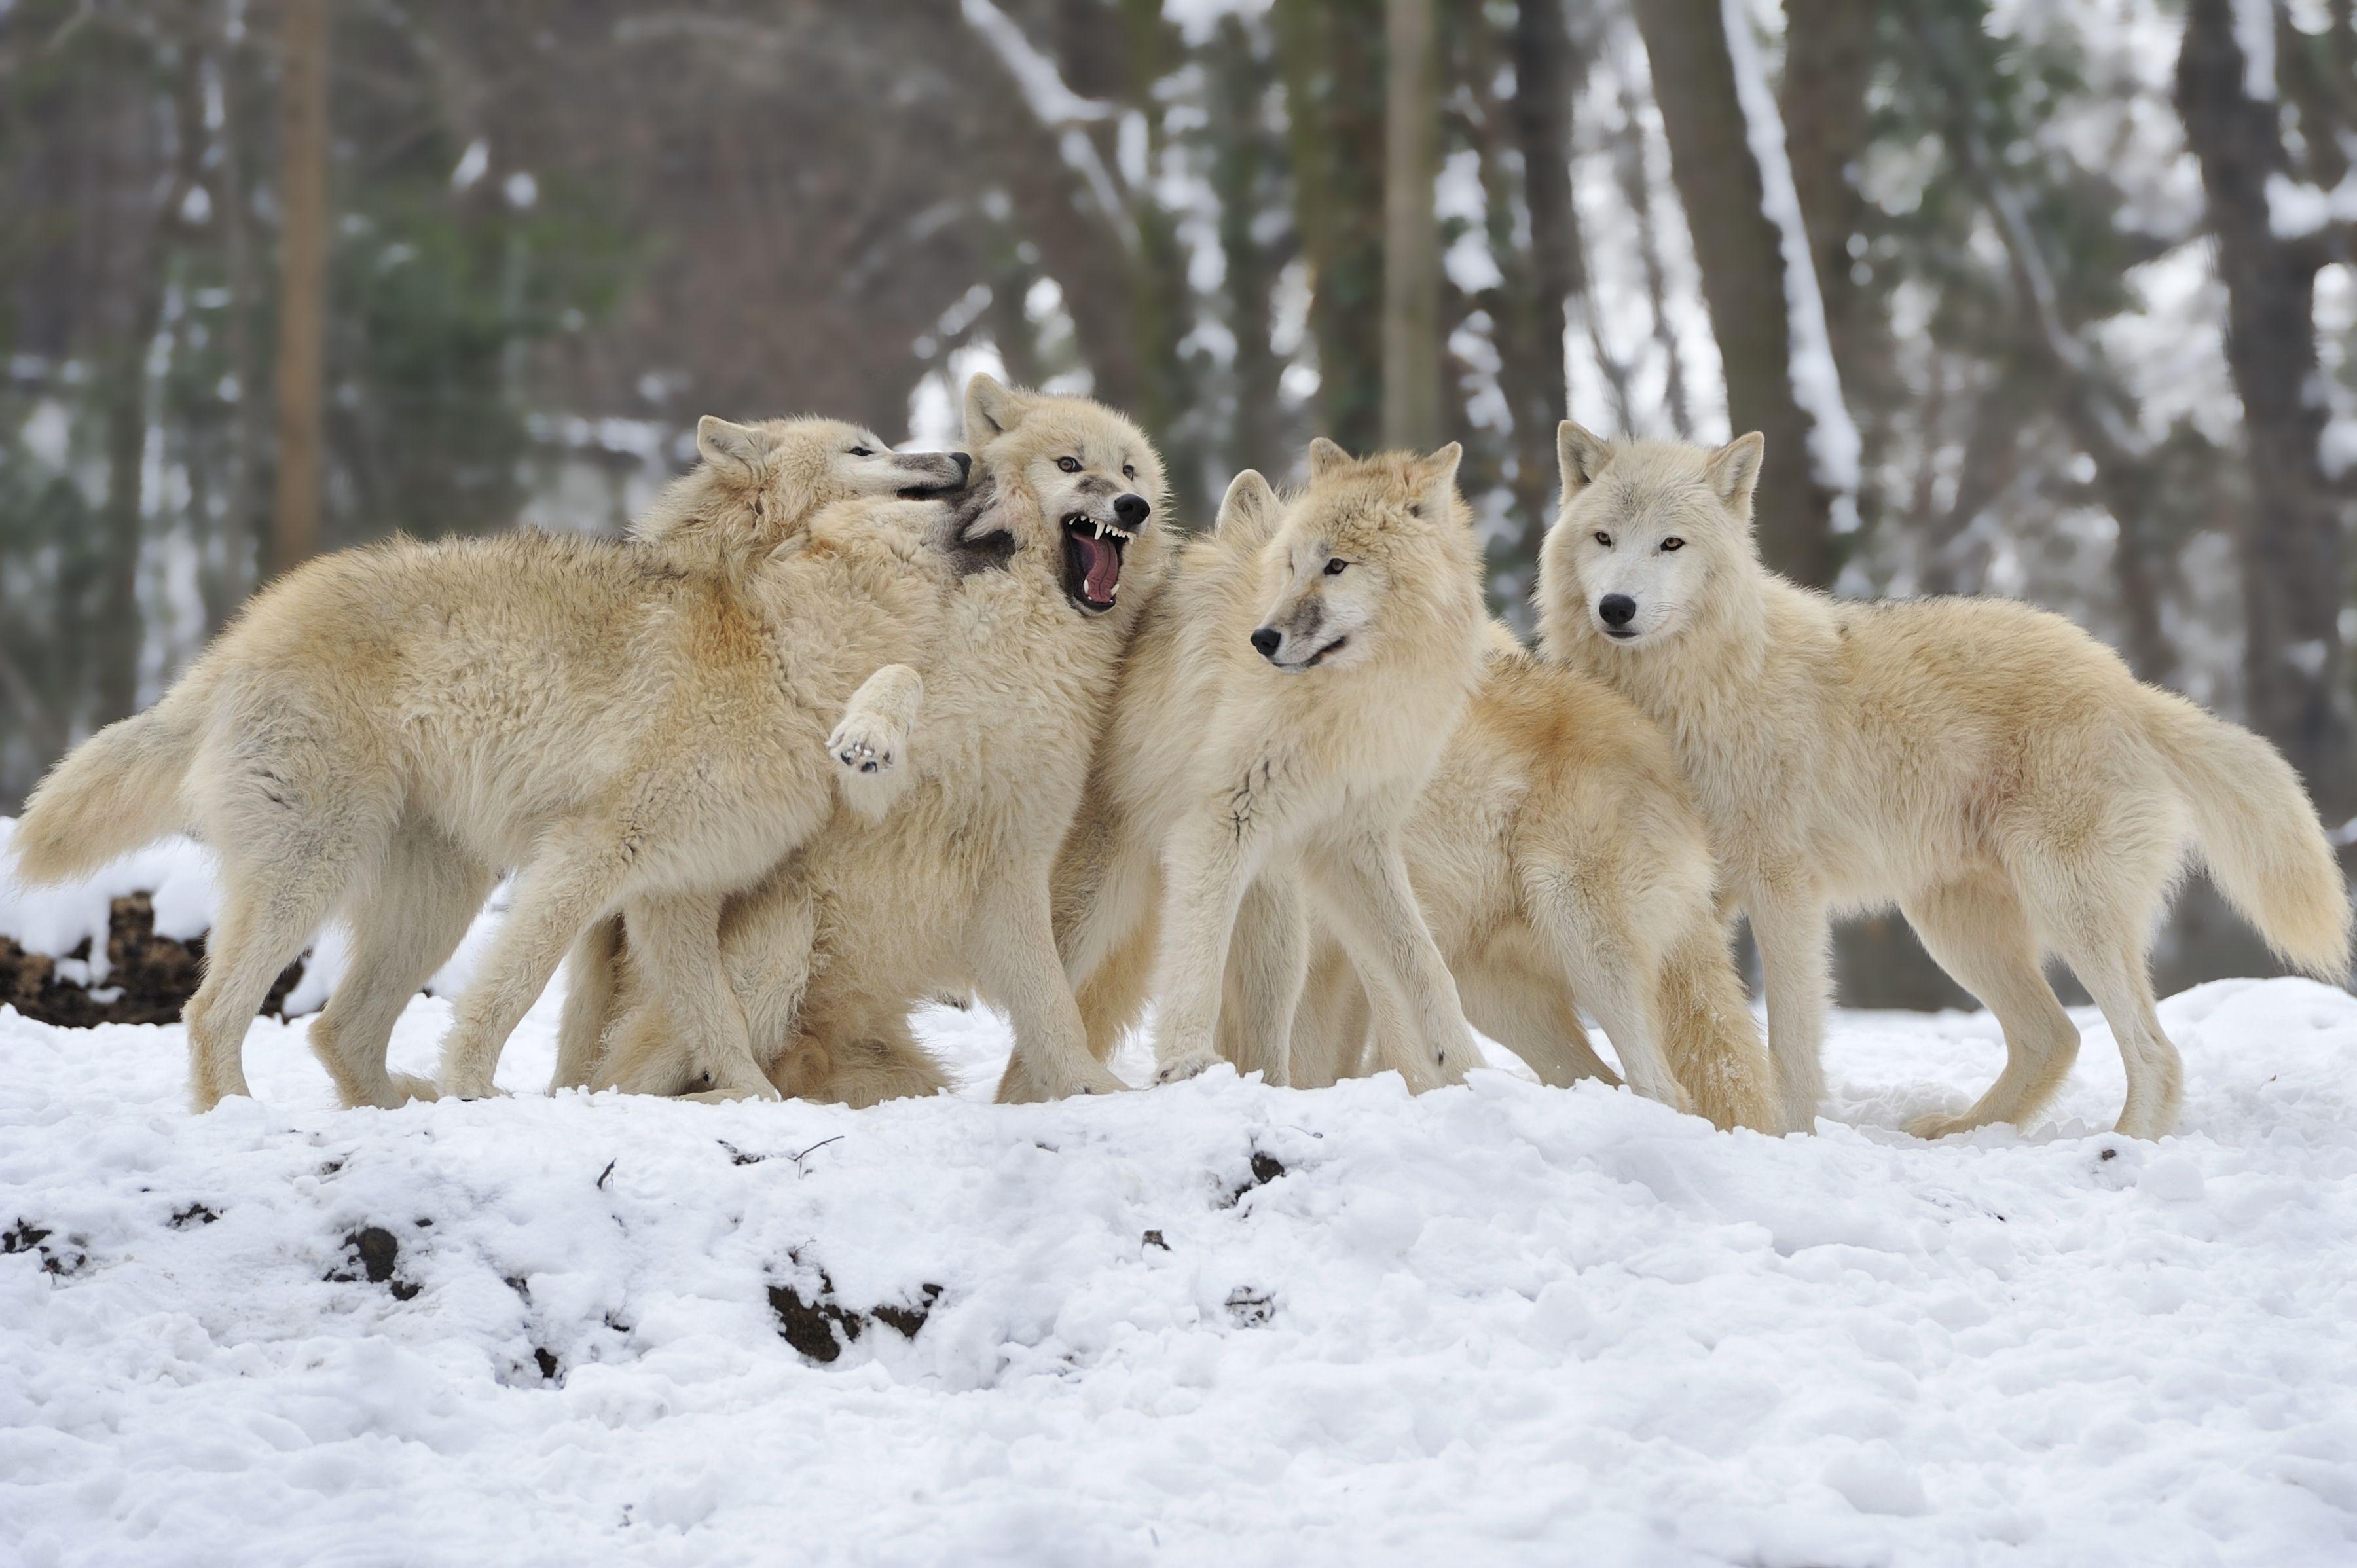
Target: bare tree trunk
1257,437
1411,229
241,552
302,284
1159,301
2289,544
1545,77
1828,60
1629,173
1740,252
123,640
1334,96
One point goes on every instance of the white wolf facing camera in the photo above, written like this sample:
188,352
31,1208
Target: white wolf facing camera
1989,767
381,729
1060,551
1286,699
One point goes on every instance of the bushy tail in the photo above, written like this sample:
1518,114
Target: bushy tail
1709,1036
116,791
2260,838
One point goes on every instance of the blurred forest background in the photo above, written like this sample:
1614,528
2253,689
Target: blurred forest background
2051,298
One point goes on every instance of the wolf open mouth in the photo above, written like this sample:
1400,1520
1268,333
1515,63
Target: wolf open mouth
1092,553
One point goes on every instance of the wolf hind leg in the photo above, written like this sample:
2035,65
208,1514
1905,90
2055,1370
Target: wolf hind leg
582,873
2093,919
1608,967
263,927
1268,959
593,985
406,920
1420,1026
1978,932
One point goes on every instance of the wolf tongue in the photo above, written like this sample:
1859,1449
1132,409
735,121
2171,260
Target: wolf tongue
1101,561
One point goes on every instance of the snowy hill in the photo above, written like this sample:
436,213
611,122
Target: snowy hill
1216,1322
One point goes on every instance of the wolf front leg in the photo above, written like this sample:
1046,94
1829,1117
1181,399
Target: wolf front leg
1210,864
1789,922
1364,877
1012,946
871,745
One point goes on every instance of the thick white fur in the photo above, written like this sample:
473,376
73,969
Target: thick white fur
948,894
382,728
1227,776
1559,861
1988,766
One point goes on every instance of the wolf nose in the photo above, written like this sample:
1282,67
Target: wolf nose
1617,609
966,465
1266,639
1131,510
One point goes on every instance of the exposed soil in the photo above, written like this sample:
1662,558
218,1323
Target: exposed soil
149,979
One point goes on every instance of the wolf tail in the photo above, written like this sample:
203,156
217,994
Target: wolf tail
2260,837
1708,1033
116,791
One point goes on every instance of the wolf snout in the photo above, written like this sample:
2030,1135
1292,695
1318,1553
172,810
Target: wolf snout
1269,639
1131,510
965,461
1616,610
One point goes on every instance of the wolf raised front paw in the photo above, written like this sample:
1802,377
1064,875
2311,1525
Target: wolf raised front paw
861,752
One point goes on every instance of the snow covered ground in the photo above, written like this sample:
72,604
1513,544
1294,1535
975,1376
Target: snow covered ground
1211,1323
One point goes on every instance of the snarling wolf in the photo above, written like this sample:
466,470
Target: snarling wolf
1988,766
1291,692
949,893
383,729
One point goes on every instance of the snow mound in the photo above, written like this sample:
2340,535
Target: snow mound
1214,1323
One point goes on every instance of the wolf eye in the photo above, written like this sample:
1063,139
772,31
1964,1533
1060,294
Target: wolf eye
1673,543
1129,470
1069,465
861,452
1334,568
1605,539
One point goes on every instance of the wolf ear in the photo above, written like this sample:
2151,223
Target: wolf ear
1733,469
723,446
1248,511
1325,457
991,410
1581,454
1441,471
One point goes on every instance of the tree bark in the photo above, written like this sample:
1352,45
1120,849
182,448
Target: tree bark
2289,544
1411,229
1828,61
301,284
116,687
1545,77
1255,438
1741,256
1330,54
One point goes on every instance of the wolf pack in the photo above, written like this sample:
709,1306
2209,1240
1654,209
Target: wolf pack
838,731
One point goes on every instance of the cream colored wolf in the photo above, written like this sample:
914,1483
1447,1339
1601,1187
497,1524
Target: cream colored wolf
1288,696
1559,860
949,893
383,729
1989,766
